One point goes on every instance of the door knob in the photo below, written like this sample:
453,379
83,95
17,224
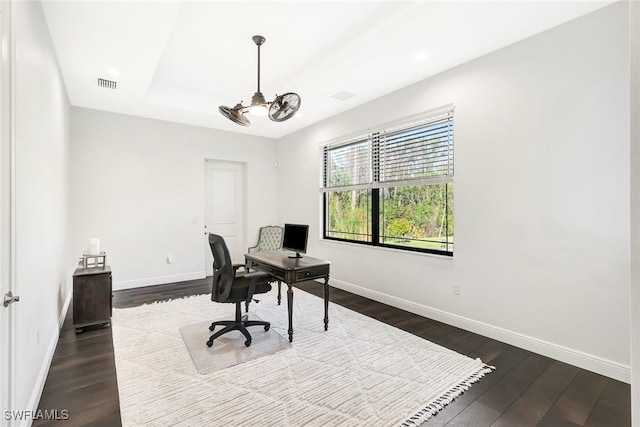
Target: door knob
9,298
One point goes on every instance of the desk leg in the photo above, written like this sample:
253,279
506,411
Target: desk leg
290,303
326,303
279,291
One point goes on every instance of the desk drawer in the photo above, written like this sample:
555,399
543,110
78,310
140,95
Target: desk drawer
266,269
310,274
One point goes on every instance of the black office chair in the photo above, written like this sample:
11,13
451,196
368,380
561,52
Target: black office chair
229,288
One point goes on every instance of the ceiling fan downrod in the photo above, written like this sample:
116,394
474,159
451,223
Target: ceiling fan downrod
259,41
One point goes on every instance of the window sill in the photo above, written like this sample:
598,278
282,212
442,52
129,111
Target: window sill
387,249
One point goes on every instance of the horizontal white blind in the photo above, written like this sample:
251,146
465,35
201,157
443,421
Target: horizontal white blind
348,165
419,152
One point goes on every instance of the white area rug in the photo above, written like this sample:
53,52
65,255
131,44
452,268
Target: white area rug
360,372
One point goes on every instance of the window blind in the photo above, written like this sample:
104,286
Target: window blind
348,166
415,154
418,152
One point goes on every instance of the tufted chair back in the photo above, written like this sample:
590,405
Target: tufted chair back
269,239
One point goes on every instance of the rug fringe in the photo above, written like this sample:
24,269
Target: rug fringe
423,414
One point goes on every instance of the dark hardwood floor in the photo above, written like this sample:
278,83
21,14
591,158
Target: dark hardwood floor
526,389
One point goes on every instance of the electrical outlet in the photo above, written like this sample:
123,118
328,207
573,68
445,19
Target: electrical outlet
456,288
38,336
169,259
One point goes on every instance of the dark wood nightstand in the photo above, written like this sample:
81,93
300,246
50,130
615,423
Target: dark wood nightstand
92,297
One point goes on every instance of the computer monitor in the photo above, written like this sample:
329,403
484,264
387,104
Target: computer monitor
295,239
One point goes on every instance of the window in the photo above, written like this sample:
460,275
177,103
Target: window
392,187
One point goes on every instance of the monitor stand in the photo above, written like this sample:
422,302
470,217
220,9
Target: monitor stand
297,255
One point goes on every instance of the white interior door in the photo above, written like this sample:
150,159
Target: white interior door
225,207
7,218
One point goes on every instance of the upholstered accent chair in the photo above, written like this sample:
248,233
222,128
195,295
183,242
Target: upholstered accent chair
269,239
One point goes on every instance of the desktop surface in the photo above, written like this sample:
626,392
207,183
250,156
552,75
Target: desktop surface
282,259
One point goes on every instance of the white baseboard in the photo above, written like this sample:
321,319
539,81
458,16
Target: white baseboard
157,280
571,356
65,309
34,401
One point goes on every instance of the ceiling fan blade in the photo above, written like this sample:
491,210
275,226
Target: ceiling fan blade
234,114
284,107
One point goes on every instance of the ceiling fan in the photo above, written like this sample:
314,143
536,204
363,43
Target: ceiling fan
282,108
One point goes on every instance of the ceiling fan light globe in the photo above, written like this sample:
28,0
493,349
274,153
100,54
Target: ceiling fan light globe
258,110
258,105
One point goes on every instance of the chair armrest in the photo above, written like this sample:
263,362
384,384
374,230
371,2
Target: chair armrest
256,274
236,266
253,248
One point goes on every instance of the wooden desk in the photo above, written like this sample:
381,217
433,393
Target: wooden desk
290,271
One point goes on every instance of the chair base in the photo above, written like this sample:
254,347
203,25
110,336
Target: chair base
240,323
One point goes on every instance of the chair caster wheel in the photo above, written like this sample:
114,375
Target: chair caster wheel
266,327
211,328
209,343
247,343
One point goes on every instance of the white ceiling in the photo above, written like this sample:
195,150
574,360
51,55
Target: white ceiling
178,61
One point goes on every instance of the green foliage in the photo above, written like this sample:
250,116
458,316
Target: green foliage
399,227
424,207
349,215
416,216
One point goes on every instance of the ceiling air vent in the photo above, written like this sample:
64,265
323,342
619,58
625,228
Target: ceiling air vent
342,95
108,84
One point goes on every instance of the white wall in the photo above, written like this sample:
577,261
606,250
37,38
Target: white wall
634,50
541,196
42,257
138,185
